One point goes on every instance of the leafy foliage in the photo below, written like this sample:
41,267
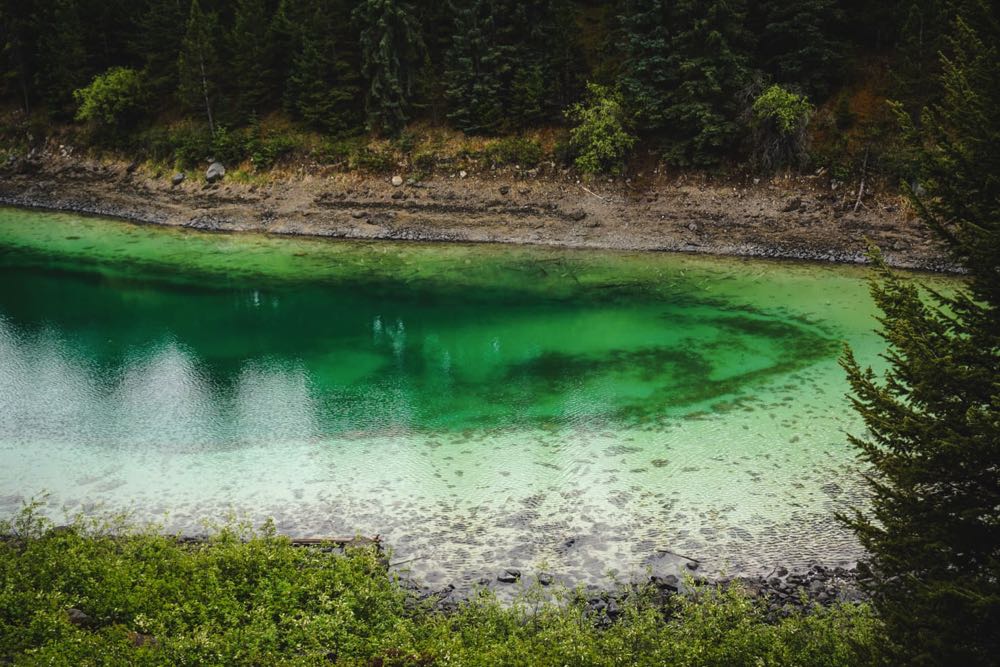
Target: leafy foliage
934,419
113,98
779,122
246,597
600,137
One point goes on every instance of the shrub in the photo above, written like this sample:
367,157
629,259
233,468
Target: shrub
600,138
115,98
425,161
373,160
249,597
778,121
514,150
192,145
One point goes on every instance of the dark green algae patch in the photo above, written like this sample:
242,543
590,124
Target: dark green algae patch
406,335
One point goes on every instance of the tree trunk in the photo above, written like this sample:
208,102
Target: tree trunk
204,90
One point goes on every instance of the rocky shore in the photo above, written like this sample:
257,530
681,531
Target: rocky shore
781,592
810,218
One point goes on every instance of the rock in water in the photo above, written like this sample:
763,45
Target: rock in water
215,172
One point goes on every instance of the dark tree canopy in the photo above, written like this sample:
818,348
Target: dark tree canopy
687,71
933,420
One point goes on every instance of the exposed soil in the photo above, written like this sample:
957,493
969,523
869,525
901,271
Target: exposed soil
802,218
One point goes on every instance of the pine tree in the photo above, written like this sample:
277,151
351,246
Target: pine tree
933,421
61,57
797,44
323,83
198,64
159,30
645,79
15,52
708,67
392,54
250,62
473,71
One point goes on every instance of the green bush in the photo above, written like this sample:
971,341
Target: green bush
373,160
600,137
115,98
192,145
336,151
246,597
514,150
425,162
778,125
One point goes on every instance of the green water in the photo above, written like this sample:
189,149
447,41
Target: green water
479,406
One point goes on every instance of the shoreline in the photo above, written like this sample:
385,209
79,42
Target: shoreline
796,220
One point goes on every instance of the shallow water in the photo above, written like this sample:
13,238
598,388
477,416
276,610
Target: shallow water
478,406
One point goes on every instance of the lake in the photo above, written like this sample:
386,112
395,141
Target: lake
479,407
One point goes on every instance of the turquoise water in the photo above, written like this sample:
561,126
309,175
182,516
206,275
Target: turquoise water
477,406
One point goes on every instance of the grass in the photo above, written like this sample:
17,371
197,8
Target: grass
104,592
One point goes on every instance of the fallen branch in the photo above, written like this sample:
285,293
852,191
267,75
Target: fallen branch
674,553
592,193
406,560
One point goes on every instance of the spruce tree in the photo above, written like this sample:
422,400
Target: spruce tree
250,60
323,84
158,32
61,57
16,35
392,54
474,69
933,421
645,78
198,63
797,44
708,67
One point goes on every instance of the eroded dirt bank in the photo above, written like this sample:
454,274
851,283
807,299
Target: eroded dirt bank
800,219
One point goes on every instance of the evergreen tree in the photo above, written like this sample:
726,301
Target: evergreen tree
511,64
198,64
159,31
61,57
323,82
541,54
798,46
15,52
708,68
933,443
250,61
645,80
392,54
474,70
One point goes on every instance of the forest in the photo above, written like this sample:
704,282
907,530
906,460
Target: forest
730,84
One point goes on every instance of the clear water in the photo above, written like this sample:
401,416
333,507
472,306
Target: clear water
478,406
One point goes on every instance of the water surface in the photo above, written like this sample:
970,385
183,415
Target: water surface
478,406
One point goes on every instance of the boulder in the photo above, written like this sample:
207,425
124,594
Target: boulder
78,618
215,172
178,179
397,180
509,576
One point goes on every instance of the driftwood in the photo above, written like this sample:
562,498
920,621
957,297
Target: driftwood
674,553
